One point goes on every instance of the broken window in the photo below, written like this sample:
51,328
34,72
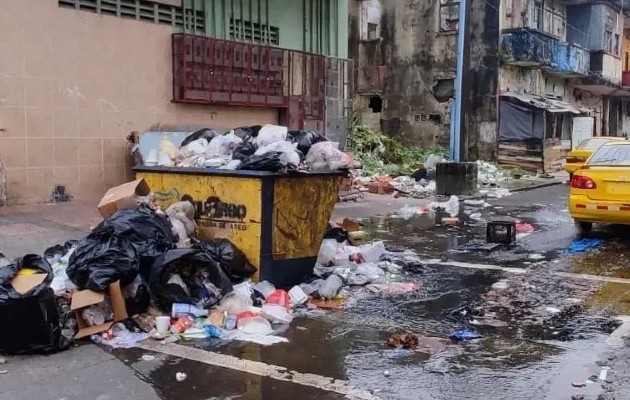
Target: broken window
449,15
376,104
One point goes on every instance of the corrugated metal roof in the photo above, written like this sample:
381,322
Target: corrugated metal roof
544,103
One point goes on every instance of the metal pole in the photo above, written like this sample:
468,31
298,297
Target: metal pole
456,114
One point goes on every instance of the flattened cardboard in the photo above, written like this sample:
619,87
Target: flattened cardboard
86,298
23,283
121,197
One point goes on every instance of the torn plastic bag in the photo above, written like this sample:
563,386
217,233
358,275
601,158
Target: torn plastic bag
305,139
327,155
229,258
205,133
193,266
244,151
30,320
267,162
334,232
54,253
223,146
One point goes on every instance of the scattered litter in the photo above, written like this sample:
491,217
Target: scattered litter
524,227
180,376
536,256
465,334
552,310
3,372
578,384
386,373
584,245
404,341
3,360
603,373
500,285
147,357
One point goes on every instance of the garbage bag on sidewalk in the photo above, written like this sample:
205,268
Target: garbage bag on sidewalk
118,247
194,267
28,311
233,262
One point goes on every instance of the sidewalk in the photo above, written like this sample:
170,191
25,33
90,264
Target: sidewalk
530,183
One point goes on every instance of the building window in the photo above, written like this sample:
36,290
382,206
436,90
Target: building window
539,19
189,19
449,15
247,31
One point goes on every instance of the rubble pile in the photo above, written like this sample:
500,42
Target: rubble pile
260,148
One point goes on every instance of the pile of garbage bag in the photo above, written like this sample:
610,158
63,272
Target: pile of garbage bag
258,148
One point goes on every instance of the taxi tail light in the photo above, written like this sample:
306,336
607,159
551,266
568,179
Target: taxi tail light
582,182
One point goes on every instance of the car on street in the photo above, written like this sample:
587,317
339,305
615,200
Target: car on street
576,158
600,189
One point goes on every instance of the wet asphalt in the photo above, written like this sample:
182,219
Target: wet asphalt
532,354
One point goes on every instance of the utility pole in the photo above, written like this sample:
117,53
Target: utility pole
458,147
459,177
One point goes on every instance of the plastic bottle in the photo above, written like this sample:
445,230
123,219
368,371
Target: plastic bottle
180,309
182,324
331,287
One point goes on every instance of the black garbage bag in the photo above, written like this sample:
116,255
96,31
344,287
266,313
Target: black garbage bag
102,258
232,260
193,266
305,139
59,250
246,133
30,320
337,233
8,293
118,247
244,151
205,133
266,162
139,302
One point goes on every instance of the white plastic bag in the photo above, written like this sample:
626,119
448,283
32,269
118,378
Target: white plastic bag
327,154
222,146
280,146
235,303
372,252
371,271
196,147
270,134
327,251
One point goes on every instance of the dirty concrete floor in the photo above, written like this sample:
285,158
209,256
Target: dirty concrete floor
534,355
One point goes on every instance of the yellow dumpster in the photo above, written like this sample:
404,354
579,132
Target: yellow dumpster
277,220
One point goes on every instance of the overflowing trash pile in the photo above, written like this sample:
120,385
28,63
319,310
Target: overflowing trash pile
259,148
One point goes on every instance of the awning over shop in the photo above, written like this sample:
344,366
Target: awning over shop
543,103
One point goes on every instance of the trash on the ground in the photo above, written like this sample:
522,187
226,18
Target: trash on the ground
500,285
335,304
297,295
180,309
386,373
122,197
578,384
603,373
3,360
465,334
450,221
503,232
85,299
403,340
330,287
180,376
450,207
552,310
4,371
119,337
524,227
584,245
276,314
147,357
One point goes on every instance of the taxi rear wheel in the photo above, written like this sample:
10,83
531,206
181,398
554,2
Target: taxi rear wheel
583,227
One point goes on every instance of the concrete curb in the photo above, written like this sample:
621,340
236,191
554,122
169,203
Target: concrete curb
536,186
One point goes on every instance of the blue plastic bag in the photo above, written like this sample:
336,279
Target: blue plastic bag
465,334
584,245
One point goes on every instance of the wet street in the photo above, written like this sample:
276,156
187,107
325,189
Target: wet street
547,318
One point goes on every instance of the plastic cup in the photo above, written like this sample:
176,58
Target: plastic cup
163,324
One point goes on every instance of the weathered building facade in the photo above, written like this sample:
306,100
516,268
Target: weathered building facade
405,55
554,65
76,76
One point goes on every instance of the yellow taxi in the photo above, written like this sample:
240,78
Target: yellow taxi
577,157
600,190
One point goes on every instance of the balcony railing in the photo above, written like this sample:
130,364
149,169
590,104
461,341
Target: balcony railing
532,48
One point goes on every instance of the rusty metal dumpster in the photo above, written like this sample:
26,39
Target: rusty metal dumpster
277,220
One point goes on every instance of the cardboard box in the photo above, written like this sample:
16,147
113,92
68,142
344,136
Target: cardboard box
123,196
87,298
24,283
348,224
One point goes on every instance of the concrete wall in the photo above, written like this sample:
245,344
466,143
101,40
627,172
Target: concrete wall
72,85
